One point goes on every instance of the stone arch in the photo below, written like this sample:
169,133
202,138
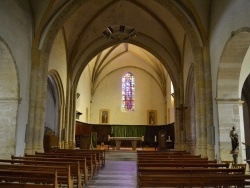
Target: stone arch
9,96
39,72
228,99
190,131
58,86
245,96
52,104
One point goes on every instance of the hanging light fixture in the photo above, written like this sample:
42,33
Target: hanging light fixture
119,32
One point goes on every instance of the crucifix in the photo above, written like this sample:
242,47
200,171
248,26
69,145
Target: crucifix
181,109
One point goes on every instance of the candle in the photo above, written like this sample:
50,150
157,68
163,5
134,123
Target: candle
142,138
155,138
108,137
168,137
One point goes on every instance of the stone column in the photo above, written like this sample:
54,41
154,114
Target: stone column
72,117
38,84
66,117
200,106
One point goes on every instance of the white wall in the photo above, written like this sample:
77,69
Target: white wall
148,96
57,58
84,100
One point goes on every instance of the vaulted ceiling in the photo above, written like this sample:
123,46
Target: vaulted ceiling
161,30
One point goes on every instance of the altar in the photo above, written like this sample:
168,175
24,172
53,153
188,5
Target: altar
118,141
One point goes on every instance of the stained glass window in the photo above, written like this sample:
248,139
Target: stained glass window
128,89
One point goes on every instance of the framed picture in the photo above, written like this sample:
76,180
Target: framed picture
152,117
104,116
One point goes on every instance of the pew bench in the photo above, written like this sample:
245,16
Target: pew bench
100,154
75,167
177,161
63,172
170,157
196,180
173,152
188,170
31,179
91,168
181,164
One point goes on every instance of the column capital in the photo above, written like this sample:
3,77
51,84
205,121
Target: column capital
229,101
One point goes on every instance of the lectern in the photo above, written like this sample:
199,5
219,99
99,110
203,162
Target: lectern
162,140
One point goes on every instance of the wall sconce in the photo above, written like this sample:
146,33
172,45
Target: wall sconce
172,94
77,95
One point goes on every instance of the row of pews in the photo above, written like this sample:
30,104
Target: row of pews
58,168
181,169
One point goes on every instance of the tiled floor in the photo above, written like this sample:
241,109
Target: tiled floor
119,172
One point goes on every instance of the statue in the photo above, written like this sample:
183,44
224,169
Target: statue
234,140
104,117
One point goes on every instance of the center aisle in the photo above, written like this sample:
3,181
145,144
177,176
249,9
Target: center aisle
119,171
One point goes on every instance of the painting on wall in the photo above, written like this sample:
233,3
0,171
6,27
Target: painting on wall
152,117
104,116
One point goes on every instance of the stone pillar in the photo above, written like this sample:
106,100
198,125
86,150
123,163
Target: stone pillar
72,117
38,84
178,144
200,106
208,103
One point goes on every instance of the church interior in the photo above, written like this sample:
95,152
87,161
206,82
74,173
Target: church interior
168,75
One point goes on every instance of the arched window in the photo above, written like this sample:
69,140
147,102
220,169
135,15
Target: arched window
128,89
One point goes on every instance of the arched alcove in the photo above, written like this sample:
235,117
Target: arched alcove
230,113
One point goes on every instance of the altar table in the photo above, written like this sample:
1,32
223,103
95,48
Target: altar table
118,141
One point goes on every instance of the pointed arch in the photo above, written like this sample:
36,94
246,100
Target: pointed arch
229,104
9,96
55,78
190,112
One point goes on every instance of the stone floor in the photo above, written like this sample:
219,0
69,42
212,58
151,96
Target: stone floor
119,171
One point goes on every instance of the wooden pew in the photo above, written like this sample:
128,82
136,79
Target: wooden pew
160,169
75,167
88,159
196,180
63,172
175,152
176,161
100,154
78,166
181,164
27,179
166,156
188,170
91,161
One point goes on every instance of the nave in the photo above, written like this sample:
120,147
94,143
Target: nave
119,171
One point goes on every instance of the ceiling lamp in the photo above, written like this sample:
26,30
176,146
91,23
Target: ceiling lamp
119,32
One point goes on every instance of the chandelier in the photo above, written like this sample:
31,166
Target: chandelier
119,32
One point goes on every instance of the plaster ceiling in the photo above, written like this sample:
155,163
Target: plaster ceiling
160,27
